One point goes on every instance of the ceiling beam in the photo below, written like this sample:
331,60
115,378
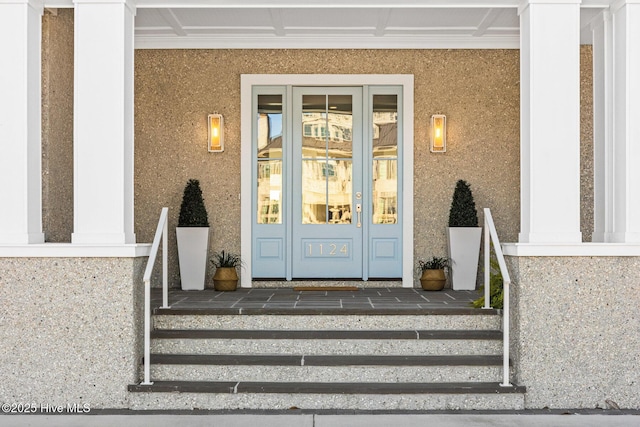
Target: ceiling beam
487,21
383,19
173,21
276,20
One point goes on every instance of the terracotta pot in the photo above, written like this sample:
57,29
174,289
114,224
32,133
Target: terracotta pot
433,280
225,279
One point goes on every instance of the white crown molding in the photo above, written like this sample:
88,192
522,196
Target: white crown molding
341,42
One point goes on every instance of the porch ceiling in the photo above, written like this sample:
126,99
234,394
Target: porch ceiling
161,24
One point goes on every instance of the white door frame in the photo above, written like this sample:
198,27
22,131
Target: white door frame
247,81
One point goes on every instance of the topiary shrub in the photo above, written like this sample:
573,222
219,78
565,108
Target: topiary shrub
193,212
463,211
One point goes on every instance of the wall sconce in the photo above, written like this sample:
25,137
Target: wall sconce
216,133
438,133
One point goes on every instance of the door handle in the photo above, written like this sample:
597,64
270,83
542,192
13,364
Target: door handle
359,211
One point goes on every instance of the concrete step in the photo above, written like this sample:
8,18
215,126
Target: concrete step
348,396
475,319
329,334
405,342
328,347
289,368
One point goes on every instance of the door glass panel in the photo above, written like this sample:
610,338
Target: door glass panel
314,191
340,126
384,184
269,192
340,191
314,126
385,191
385,126
327,150
269,127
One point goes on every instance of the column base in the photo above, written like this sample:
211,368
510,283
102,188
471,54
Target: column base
623,237
21,238
550,237
103,238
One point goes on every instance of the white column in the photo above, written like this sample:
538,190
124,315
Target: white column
103,122
602,128
20,122
626,121
550,121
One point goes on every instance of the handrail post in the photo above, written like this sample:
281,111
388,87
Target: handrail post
487,264
165,265
147,333
505,334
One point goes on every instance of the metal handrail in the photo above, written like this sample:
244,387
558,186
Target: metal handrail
491,235
161,234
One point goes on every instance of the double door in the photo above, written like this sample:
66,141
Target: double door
327,188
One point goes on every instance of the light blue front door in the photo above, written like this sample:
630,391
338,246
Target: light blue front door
327,183
327,194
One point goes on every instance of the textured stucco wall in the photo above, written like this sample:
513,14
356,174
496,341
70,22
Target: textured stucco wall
586,142
70,330
478,90
575,330
176,89
57,125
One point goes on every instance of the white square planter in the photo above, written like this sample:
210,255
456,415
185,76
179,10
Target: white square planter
464,253
193,247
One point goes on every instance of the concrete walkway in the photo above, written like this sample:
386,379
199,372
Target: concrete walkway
623,419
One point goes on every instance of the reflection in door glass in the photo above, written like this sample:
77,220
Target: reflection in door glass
339,189
327,151
340,126
385,191
269,135
385,126
385,160
314,191
269,191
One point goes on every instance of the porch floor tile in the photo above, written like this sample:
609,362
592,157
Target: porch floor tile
283,300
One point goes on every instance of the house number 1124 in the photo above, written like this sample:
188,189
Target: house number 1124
327,250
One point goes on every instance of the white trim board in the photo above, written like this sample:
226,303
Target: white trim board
68,250
570,250
247,81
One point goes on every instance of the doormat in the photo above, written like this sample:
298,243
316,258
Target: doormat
326,288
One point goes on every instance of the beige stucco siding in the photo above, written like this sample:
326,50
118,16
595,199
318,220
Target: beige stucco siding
57,125
478,90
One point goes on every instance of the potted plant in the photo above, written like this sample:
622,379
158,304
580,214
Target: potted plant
463,238
432,272
226,275
193,237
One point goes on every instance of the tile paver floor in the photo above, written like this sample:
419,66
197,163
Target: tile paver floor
287,300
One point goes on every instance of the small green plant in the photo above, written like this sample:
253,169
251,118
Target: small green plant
433,263
496,287
463,211
193,212
226,260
